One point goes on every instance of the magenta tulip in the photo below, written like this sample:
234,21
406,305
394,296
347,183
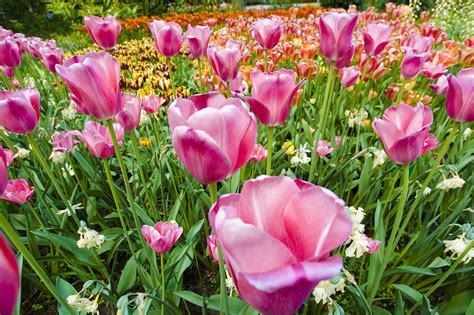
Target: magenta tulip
349,76
376,37
212,136
4,33
10,279
336,40
98,139
94,82
460,96
20,110
293,226
33,46
404,131
7,156
258,154
103,31
418,44
51,57
4,162
152,103
198,40
412,64
7,71
433,71
10,54
129,116
267,32
441,86
272,95
17,191
162,236
212,248
224,61
63,141
167,37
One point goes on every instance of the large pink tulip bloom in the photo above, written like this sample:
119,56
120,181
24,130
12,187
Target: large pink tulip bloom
103,31
276,238
272,95
405,132
460,96
4,162
94,82
10,54
225,61
212,136
198,40
412,64
167,37
162,236
267,32
129,116
336,37
418,44
376,37
98,139
51,57
10,279
20,110
18,191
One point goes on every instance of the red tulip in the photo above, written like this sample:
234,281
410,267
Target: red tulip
224,61
336,40
10,54
258,153
212,136
94,82
212,248
441,86
20,110
129,116
18,191
267,32
433,71
376,37
5,160
198,40
103,31
51,57
349,76
460,96
412,64
63,141
293,226
10,279
98,139
162,236
167,37
404,131
152,103
272,95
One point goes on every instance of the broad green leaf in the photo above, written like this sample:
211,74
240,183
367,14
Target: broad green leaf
413,295
128,277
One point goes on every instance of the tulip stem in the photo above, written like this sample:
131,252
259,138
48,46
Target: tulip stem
213,192
400,93
223,290
227,86
163,289
271,131
11,234
170,72
265,64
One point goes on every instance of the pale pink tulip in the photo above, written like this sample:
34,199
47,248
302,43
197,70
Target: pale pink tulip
20,110
418,44
460,96
259,153
349,76
162,236
373,246
152,103
103,31
63,141
129,116
212,248
323,148
98,139
267,32
433,71
293,226
376,37
10,279
224,61
167,37
17,191
441,86
198,40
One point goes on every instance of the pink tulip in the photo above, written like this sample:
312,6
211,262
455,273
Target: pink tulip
212,136
7,71
460,96
441,86
152,103
418,44
98,139
376,37
63,141
51,57
237,85
373,246
20,110
336,38
349,76
258,153
7,155
167,37
433,71
33,46
404,131
338,140
224,61
103,31
272,95
267,32
4,33
17,191
293,226
323,148
4,162
129,116
10,54
198,40
162,236
412,64
94,82
212,248
10,279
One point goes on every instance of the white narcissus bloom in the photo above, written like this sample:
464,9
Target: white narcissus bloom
57,157
379,158
356,215
359,245
451,183
89,238
326,288
69,113
22,153
301,156
458,246
427,191
83,304
466,134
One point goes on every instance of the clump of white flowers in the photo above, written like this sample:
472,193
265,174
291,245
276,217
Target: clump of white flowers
449,14
466,134
69,113
229,282
360,244
89,238
57,157
460,244
83,304
451,183
356,117
29,82
325,289
22,153
74,209
144,118
426,191
301,156
379,157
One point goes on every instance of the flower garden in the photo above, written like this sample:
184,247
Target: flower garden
287,161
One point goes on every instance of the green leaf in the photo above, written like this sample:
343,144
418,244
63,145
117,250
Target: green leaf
376,310
458,304
128,277
438,262
235,305
65,289
413,295
416,270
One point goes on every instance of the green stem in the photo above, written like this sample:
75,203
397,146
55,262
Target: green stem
163,289
400,93
265,64
213,192
227,86
170,72
271,131
223,289
11,234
